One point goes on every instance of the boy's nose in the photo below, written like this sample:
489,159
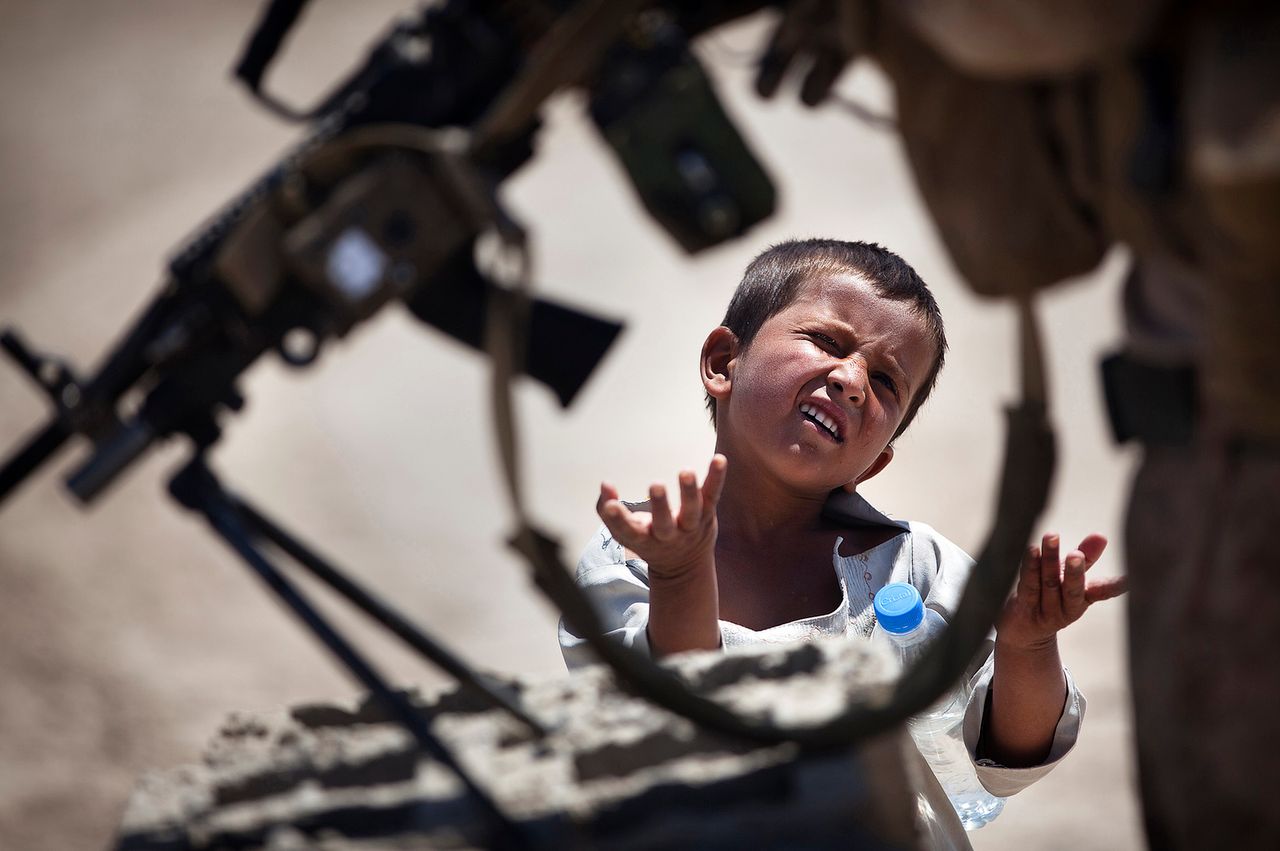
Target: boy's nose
848,381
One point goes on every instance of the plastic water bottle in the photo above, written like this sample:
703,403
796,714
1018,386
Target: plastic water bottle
938,731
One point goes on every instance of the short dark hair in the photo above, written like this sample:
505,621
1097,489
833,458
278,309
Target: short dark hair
773,280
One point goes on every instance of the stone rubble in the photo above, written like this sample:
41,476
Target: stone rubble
615,772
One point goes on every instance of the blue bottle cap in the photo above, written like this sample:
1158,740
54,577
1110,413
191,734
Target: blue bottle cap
898,607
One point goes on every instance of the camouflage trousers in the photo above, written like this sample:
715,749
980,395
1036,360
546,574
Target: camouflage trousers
1204,619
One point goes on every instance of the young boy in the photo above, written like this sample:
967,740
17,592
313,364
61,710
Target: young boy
827,351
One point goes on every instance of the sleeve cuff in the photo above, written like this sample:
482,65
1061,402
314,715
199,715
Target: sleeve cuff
578,652
1004,781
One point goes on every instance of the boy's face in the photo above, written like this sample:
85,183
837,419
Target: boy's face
820,391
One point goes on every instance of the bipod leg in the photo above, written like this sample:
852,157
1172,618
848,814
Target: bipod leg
33,453
495,694
196,488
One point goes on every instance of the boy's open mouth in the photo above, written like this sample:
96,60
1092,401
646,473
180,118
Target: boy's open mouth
824,422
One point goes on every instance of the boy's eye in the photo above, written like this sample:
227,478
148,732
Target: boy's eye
823,338
887,382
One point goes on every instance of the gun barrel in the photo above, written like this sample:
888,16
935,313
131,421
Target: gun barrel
110,458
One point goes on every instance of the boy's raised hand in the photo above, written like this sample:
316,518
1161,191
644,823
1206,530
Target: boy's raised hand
671,544
1052,594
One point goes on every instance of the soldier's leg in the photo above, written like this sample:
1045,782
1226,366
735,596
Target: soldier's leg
1203,556
1205,643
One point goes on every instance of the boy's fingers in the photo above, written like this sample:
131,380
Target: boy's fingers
1091,548
1073,601
1105,589
1050,578
607,492
604,508
1029,578
663,525
690,502
714,483
621,522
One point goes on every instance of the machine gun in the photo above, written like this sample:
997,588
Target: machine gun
386,200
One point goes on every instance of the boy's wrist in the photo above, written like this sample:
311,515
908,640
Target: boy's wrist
683,607
675,573
1044,648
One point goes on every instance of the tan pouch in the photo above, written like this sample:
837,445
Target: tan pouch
991,168
1024,38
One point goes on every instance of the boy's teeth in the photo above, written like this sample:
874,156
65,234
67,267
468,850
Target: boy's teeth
827,422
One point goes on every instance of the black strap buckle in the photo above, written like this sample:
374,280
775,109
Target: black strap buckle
1150,403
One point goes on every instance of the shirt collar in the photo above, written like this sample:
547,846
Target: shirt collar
851,508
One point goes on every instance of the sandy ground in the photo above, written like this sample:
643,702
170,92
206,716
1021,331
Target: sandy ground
127,633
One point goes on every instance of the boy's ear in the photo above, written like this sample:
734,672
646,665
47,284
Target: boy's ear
882,461
718,354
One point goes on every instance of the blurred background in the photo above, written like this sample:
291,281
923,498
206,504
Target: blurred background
127,634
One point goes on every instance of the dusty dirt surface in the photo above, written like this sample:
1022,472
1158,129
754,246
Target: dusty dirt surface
127,634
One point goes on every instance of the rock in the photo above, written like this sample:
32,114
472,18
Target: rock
615,772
